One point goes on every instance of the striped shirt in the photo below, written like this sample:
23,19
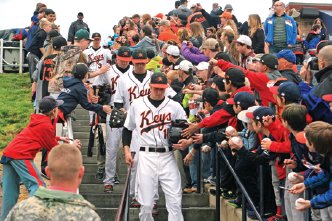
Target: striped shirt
279,27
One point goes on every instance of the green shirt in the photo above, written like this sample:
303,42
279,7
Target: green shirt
279,27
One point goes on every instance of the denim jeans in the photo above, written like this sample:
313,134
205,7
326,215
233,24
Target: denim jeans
206,165
274,50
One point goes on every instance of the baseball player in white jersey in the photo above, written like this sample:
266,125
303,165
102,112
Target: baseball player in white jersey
113,135
96,57
129,88
151,116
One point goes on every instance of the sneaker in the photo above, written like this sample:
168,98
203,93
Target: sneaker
100,174
194,189
273,218
214,193
213,181
236,203
228,194
45,176
187,189
134,203
90,123
108,189
155,210
207,180
116,180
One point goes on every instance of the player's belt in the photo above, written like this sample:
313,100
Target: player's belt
158,149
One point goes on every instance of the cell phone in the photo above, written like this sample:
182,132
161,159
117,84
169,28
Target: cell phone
201,79
282,187
188,43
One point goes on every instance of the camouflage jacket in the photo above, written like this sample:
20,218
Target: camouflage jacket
62,66
53,205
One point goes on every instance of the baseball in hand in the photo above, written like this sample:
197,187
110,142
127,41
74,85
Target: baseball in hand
206,148
297,204
267,139
230,129
236,139
292,177
224,143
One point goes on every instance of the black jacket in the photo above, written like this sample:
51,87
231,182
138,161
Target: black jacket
216,12
74,27
258,41
215,21
291,76
244,29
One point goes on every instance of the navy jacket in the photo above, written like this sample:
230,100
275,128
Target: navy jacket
74,93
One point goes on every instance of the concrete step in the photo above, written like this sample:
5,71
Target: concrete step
81,128
82,135
189,214
81,123
80,111
82,116
99,188
89,160
112,200
92,168
89,178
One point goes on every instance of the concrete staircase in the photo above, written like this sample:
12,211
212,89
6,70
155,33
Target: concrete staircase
194,206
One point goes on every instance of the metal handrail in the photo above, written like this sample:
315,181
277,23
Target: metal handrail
245,194
122,213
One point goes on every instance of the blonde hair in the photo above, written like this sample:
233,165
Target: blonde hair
231,50
255,23
197,29
231,23
183,35
43,22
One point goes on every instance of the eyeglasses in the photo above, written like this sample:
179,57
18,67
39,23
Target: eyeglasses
274,6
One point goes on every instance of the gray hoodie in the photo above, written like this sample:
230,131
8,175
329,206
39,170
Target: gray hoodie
182,9
148,43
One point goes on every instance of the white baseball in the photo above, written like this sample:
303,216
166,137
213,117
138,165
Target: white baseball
206,148
267,139
224,143
236,139
297,204
230,129
292,177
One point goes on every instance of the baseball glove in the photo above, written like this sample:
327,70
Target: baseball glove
117,118
175,131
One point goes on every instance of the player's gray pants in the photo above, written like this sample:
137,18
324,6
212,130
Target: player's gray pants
322,214
112,146
292,213
153,167
100,158
91,116
275,183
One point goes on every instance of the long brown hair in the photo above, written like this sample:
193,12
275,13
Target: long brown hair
197,29
183,35
321,21
232,48
147,30
255,23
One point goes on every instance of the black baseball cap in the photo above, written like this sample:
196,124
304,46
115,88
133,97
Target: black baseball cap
58,42
53,33
79,70
261,112
222,55
96,35
321,45
166,61
235,75
80,13
150,53
219,81
139,56
124,54
289,90
177,3
244,99
209,95
48,103
183,17
270,60
183,1
159,80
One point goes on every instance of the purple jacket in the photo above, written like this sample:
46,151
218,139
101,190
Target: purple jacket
193,55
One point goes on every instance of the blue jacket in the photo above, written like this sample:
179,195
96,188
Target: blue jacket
249,138
32,31
291,29
73,93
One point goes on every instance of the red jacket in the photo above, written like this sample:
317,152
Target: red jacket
222,116
257,81
167,35
38,134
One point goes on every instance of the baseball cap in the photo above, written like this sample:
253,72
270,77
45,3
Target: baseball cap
159,80
96,35
321,45
327,97
185,66
80,13
183,1
270,60
177,3
150,53
242,115
259,113
209,95
124,54
53,33
163,22
229,6
235,75
166,62
183,17
244,39
139,56
219,81
79,70
210,43
300,137
222,55
257,57
82,34
58,42
288,55
202,66
159,15
173,50
226,15
48,103
289,90
244,99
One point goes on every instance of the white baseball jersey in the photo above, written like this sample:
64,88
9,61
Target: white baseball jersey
111,77
130,88
97,59
153,123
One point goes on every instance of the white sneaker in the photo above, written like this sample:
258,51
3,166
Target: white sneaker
208,179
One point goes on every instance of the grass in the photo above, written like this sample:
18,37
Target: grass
15,106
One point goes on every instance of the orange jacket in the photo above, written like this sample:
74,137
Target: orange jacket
167,35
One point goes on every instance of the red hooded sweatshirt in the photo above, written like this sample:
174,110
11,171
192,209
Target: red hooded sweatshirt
38,134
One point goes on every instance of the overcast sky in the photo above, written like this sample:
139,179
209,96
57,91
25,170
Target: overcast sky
101,16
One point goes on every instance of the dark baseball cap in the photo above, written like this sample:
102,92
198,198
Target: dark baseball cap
288,55
58,42
177,3
261,112
222,55
80,13
82,34
159,80
124,54
289,90
166,61
150,53
219,81
48,103
321,45
79,70
183,1
270,60
53,33
244,99
96,35
235,75
183,17
209,95
139,56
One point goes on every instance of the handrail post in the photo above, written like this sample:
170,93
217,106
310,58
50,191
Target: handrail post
244,210
261,190
217,185
1,55
70,129
307,212
199,158
21,57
